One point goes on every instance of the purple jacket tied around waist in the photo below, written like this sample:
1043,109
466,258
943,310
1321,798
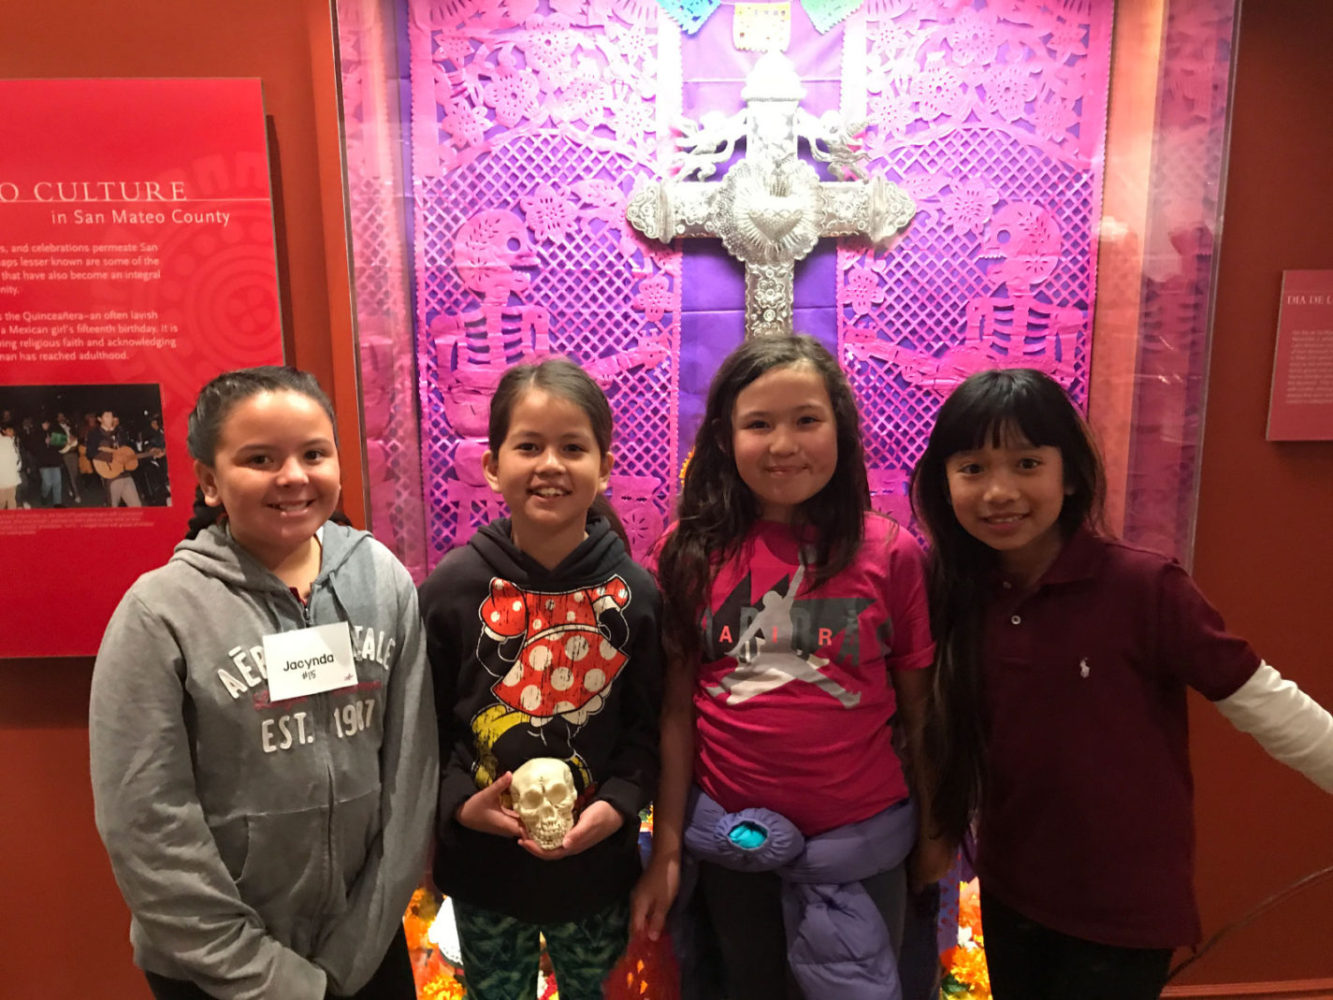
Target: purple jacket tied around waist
837,944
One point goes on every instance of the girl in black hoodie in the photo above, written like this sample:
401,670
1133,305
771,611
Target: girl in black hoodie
542,636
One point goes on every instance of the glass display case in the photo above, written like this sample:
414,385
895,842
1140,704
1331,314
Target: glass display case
1065,161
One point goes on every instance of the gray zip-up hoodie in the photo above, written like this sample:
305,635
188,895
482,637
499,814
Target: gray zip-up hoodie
265,849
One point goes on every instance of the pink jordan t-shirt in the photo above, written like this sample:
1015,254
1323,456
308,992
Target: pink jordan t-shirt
794,696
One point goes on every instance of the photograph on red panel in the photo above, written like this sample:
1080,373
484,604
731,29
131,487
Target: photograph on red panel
82,446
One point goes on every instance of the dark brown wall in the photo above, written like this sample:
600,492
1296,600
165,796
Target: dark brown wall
63,927
1264,551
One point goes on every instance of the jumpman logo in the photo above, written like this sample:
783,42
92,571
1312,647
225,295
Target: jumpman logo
765,659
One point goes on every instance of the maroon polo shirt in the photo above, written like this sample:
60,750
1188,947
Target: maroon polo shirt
1087,825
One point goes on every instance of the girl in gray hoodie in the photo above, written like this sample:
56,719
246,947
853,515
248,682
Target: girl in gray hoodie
264,751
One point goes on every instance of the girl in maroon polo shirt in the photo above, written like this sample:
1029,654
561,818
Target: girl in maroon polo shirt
1060,714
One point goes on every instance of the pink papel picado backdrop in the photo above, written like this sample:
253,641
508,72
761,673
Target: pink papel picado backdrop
531,121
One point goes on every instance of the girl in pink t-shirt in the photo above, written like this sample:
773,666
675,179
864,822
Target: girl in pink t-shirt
796,625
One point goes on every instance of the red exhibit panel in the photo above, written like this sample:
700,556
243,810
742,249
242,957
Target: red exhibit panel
136,262
1300,406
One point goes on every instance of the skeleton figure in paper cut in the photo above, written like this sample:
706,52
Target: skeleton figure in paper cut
1025,243
555,657
1016,329
492,253
765,659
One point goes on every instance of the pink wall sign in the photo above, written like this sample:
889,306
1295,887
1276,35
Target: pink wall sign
1300,406
136,262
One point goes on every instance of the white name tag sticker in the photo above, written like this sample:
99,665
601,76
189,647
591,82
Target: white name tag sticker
309,661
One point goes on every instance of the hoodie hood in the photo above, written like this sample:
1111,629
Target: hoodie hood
215,553
592,560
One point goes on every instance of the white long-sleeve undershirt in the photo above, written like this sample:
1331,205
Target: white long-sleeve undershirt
1286,722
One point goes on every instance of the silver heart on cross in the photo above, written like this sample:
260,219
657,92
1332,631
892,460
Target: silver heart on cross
764,217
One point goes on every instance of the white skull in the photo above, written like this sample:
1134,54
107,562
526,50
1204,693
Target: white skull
543,794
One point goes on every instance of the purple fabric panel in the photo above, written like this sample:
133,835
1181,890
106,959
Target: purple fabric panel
711,326
711,279
816,294
712,320
816,283
713,284
709,61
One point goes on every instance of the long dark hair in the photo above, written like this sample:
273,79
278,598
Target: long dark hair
560,377
991,407
215,402
717,510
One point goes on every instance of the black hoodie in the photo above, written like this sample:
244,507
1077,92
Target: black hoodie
568,665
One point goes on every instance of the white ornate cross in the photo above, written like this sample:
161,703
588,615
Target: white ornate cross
771,208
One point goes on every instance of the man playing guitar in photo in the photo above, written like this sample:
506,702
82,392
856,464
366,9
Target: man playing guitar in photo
111,457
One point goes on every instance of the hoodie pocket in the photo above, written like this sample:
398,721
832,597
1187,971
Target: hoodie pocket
355,827
232,837
285,874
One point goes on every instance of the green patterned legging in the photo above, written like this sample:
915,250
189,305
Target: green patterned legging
500,953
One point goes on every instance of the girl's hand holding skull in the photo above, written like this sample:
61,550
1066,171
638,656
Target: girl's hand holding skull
485,810
543,796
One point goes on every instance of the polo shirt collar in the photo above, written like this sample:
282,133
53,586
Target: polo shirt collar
1078,560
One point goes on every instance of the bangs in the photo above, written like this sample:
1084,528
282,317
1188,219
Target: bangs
999,412
1004,408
